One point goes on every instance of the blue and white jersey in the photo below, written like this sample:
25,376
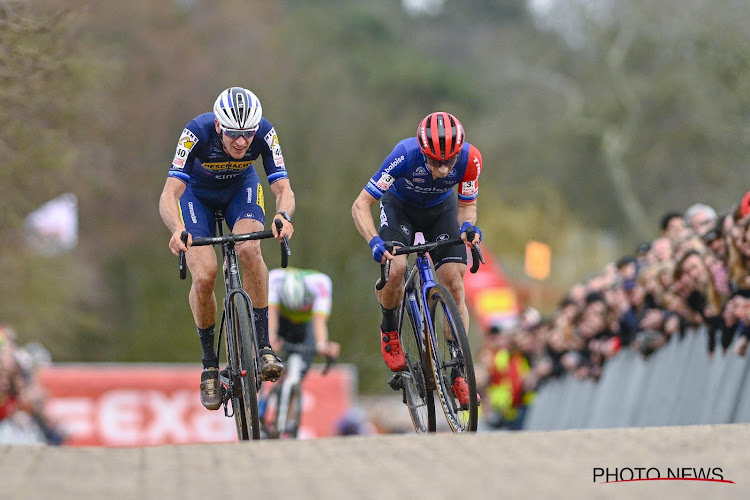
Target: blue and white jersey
405,174
201,162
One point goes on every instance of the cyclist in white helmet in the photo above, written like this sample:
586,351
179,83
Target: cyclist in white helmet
299,305
213,169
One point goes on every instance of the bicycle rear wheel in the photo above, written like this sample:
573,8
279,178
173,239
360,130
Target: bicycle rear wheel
243,364
417,397
451,358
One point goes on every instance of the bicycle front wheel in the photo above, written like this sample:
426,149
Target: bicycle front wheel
451,360
290,411
418,399
245,399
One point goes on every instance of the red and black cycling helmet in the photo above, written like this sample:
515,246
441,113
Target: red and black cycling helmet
440,136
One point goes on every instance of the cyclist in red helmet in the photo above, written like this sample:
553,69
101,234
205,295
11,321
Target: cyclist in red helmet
415,185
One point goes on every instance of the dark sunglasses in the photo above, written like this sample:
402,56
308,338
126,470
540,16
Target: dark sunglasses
445,163
236,134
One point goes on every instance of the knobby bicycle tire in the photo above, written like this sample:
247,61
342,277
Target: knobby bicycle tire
417,397
451,359
245,404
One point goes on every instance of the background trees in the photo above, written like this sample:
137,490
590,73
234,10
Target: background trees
593,118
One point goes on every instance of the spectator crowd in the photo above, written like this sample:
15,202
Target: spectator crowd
23,415
692,279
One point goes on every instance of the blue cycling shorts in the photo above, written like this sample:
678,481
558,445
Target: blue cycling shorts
241,201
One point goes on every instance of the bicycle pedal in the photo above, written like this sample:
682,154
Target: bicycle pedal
396,382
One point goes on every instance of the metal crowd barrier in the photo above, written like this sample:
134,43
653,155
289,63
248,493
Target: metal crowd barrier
676,385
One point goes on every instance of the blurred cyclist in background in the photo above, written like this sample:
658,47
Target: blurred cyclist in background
299,305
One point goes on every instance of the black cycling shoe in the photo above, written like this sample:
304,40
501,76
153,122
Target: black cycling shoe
271,367
210,388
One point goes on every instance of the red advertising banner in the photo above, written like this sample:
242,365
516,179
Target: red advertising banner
137,405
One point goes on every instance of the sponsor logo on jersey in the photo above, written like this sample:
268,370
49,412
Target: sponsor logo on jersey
393,164
442,237
383,217
477,164
417,179
184,146
420,171
385,182
227,165
259,198
405,230
192,213
223,177
452,173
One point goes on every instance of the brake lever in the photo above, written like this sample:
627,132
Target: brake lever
476,252
385,269
285,250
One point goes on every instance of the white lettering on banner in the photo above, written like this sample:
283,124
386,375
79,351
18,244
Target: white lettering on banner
135,417
124,407
119,419
168,421
74,414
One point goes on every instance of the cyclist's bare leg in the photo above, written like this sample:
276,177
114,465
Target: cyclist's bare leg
451,276
390,299
254,270
255,283
203,267
392,293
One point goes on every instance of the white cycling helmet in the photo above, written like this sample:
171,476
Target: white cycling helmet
294,294
238,108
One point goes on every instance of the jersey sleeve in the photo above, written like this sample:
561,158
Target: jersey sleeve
322,286
184,156
468,189
388,172
273,159
275,276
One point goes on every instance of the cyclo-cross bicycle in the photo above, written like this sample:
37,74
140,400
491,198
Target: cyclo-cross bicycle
240,380
283,406
435,343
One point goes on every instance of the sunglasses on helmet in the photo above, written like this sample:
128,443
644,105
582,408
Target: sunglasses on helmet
236,134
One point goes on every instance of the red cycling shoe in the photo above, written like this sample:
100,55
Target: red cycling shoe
393,353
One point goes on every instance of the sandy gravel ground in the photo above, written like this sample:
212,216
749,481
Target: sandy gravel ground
531,465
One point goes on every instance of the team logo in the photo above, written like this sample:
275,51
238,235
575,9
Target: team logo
420,171
405,230
443,237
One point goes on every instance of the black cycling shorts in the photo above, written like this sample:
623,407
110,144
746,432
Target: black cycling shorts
399,222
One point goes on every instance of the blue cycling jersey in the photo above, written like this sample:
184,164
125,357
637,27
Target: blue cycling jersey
201,162
405,174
